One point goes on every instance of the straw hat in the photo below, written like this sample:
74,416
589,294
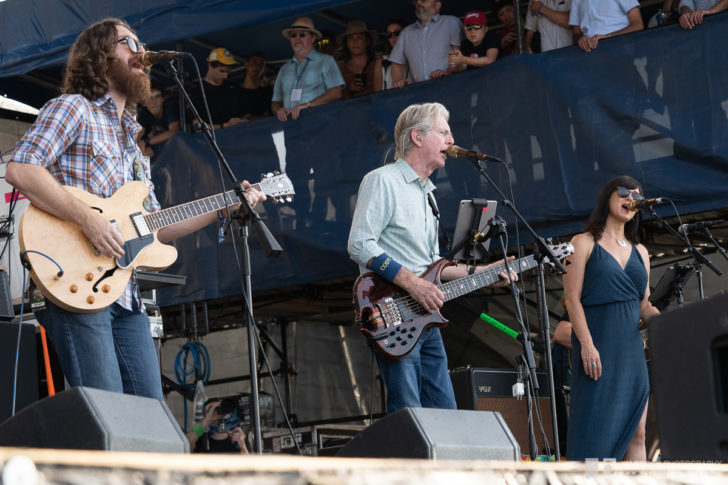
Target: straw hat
302,23
357,27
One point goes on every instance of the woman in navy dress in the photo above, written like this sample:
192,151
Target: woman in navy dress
606,290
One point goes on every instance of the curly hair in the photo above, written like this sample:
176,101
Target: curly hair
88,60
598,218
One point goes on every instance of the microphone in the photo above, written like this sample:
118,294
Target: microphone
151,57
636,205
455,151
697,226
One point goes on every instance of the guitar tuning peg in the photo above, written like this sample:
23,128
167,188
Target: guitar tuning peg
289,199
269,174
276,172
262,175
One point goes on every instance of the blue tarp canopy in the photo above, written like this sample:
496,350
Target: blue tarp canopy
38,33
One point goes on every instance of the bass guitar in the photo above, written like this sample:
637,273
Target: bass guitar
393,321
74,275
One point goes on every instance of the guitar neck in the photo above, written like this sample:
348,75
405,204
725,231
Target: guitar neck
468,284
178,213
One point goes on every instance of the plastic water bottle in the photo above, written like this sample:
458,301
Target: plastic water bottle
200,400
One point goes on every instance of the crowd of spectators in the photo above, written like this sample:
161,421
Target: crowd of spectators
326,67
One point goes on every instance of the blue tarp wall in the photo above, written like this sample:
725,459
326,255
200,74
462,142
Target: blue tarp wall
653,105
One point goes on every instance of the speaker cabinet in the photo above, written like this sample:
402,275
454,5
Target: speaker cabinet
485,389
27,382
446,434
689,380
83,418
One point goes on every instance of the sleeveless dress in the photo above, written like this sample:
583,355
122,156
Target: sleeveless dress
604,414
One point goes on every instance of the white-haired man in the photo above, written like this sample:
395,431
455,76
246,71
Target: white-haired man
395,223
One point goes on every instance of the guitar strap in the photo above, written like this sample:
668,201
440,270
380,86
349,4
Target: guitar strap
436,213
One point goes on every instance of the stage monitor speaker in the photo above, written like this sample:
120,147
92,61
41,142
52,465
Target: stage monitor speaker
83,418
485,389
445,434
689,380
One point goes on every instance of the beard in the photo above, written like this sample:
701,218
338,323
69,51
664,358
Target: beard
135,86
425,13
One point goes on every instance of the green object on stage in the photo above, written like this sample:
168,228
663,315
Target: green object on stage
503,328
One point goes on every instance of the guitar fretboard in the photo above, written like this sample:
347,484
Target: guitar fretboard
468,284
171,215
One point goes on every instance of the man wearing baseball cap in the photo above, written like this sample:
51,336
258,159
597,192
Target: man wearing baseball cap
222,97
309,78
480,46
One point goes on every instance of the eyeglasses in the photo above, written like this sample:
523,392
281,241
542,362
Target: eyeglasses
293,35
624,192
474,27
134,45
394,33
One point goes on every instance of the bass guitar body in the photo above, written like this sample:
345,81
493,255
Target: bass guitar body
391,319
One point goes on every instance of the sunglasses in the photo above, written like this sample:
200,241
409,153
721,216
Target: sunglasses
293,35
134,45
394,33
474,27
624,192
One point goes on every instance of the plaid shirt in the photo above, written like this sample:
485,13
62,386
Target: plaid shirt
83,144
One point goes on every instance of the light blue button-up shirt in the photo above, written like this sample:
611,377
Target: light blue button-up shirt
393,216
600,17
694,5
425,49
314,75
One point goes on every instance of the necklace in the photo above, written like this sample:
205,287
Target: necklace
622,243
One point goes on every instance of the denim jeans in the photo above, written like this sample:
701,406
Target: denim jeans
111,349
421,379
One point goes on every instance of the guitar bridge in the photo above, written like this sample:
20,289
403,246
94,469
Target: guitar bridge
390,312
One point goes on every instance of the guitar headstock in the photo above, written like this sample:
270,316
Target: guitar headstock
561,251
277,186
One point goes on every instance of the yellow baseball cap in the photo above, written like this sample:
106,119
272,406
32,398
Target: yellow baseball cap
222,56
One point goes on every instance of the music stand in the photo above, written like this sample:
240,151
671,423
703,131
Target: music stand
470,241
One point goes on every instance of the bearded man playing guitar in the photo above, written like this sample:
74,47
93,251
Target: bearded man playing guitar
394,234
86,138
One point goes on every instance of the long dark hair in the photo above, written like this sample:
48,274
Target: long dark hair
346,53
598,217
88,61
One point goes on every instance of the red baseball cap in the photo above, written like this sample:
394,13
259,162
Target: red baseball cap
474,17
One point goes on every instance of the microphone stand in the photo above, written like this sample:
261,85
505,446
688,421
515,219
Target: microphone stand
720,248
698,257
266,240
542,251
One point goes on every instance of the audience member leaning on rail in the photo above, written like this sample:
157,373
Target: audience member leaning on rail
693,11
598,19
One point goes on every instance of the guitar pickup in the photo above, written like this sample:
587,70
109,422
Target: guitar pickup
140,224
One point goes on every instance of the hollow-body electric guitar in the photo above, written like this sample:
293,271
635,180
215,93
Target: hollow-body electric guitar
393,321
74,275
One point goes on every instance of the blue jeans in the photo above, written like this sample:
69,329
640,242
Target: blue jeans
421,379
111,349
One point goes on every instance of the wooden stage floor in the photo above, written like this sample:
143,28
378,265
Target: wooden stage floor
67,467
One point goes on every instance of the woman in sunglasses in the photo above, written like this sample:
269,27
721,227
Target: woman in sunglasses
606,290
391,34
